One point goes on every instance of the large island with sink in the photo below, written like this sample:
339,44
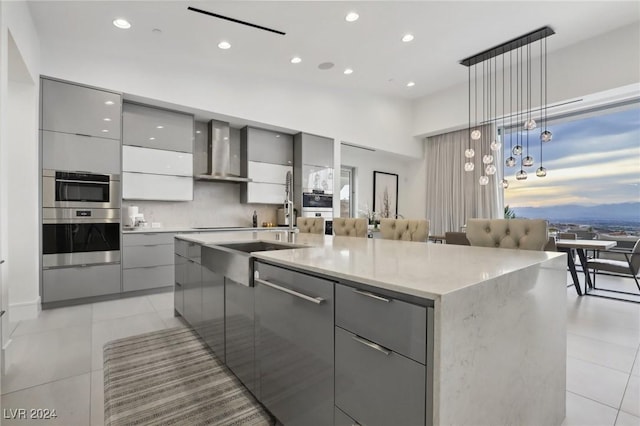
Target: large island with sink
340,330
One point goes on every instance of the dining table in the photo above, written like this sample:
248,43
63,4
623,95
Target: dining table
581,246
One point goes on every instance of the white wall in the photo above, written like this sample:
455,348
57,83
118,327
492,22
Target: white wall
411,179
19,160
364,119
602,63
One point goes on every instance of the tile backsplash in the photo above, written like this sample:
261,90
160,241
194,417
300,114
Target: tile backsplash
214,204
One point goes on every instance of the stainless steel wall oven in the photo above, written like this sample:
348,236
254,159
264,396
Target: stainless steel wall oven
80,219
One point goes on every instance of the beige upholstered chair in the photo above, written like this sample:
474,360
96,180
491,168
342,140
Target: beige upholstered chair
525,234
404,229
457,238
311,225
350,227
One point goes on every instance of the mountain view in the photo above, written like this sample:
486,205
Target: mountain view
624,214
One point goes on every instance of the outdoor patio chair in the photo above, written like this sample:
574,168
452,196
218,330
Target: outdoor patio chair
629,267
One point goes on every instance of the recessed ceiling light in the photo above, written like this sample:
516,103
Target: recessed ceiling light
277,136
348,71
122,23
407,38
198,131
351,17
108,103
224,45
106,119
411,84
296,60
152,139
159,127
105,131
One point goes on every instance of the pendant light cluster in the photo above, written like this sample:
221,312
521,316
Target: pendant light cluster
510,103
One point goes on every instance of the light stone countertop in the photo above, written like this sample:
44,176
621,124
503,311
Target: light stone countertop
150,230
420,269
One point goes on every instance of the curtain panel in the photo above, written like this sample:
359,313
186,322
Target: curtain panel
453,195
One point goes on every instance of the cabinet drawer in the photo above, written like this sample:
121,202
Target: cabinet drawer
397,325
147,239
85,281
377,388
263,193
145,256
64,151
156,161
188,249
268,173
145,278
143,186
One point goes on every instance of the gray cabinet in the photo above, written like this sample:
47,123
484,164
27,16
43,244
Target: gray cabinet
313,150
66,151
157,128
192,294
376,386
295,345
266,146
180,277
239,332
147,261
81,110
78,282
212,330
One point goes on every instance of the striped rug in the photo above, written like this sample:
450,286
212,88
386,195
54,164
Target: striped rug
170,377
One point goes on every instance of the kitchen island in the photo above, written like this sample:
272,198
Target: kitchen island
485,328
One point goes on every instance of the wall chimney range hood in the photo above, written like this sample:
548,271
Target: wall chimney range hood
219,155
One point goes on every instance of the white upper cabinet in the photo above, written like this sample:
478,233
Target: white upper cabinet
268,173
156,161
80,110
156,128
145,186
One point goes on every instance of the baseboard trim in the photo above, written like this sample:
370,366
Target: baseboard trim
24,310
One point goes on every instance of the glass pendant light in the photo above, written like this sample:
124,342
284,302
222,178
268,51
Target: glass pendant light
476,134
530,124
496,145
505,183
469,153
517,150
527,161
510,162
541,172
487,159
490,169
468,167
546,136
483,180
521,175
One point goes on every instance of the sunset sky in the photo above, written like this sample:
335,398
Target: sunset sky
589,161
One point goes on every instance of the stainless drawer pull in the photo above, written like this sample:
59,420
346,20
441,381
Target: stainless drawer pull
316,300
372,345
371,295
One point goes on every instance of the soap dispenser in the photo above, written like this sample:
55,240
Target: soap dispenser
255,219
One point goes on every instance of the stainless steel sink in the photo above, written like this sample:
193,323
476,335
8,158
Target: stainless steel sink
234,260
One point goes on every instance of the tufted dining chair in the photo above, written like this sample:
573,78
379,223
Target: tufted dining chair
404,229
311,225
524,234
350,227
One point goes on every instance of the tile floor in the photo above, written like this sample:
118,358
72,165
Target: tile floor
55,361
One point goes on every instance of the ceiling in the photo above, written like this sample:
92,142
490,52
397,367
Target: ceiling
445,32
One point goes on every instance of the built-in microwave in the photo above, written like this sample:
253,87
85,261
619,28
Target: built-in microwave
70,189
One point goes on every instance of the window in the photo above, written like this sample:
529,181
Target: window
593,173
347,192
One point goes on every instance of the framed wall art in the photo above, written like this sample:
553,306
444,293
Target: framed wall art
385,194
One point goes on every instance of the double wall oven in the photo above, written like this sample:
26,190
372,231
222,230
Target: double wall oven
80,219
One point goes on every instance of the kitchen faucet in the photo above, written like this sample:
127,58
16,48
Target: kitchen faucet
288,203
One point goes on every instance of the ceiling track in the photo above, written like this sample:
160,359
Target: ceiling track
237,21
